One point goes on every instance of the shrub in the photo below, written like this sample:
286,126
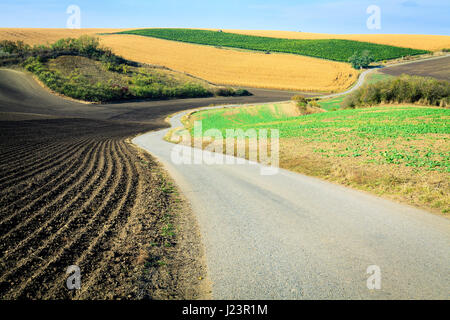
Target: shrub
405,89
361,60
225,92
242,92
33,64
83,46
302,108
3,53
120,68
300,100
192,90
230,92
11,47
314,104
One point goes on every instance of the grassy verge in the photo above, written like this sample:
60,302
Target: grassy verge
377,77
169,262
332,49
398,151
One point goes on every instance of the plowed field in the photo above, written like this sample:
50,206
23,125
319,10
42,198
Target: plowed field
72,192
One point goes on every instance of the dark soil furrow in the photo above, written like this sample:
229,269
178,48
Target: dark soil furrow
37,213
99,247
79,188
30,154
74,237
35,167
14,153
72,218
11,149
13,202
35,157
39,168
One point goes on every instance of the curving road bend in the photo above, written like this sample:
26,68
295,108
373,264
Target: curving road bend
362,77
289,236
285,236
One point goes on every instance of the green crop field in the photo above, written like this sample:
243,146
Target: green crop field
401,152
377,77
333,49
331,104
355,133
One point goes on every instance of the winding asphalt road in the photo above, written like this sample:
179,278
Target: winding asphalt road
289,236
284,236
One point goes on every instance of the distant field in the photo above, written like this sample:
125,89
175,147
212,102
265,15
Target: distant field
233,67
36,36
331,49
421,42
415,41
398,151
220,66
437,68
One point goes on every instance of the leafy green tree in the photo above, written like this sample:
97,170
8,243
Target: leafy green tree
361,60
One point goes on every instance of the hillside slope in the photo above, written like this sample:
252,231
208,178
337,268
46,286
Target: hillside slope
415,41
233,67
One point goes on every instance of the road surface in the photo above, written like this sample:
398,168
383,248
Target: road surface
289,236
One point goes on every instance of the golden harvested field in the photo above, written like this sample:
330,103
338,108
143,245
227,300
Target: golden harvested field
34,36
220,66
233,67
414,41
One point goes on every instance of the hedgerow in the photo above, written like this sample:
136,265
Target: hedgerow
404,89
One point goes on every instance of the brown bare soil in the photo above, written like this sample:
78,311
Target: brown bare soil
437,68
75,191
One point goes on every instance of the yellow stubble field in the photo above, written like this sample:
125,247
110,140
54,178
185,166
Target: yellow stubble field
35,36
234,67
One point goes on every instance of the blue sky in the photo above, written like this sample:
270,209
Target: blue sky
341,16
